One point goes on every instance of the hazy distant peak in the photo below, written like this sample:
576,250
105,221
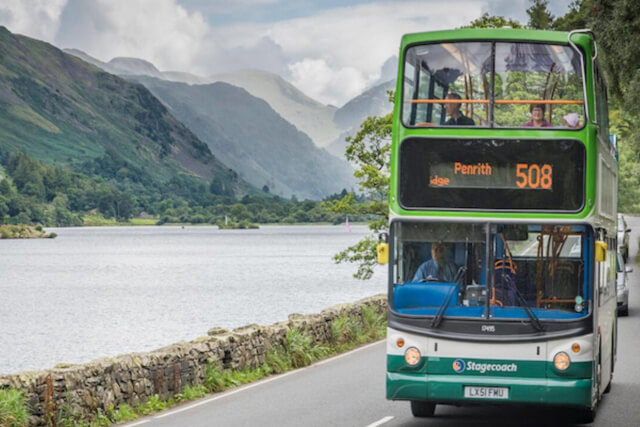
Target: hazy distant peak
184,77
256,76
90,59
308,115
134,66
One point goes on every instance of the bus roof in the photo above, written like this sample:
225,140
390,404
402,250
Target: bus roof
494,34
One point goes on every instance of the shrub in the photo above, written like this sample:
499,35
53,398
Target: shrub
13,408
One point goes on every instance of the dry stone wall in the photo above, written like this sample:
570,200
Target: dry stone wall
134,378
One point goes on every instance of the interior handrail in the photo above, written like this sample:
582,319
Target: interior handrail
498,101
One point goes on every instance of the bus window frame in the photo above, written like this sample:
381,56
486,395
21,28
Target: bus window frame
588,286
491,123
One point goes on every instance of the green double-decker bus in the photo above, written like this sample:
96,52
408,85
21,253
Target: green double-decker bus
502,233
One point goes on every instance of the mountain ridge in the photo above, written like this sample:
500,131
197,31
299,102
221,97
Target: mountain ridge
60,109
253,138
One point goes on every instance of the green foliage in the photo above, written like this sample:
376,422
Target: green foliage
369,150
278,361
374,324
490,21
301,350
154,404
122,414
617,27
192,393
575,18
58,196
13,408
539,16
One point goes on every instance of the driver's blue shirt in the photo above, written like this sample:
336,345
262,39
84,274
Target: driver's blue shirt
445,271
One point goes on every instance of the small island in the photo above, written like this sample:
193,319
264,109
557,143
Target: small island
236,225
22,231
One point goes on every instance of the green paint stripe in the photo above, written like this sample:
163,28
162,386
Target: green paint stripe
489,367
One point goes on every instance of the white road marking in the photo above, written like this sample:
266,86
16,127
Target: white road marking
381,421
256,384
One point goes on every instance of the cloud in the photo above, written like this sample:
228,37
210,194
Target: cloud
331,85
160,31
36,18
336,53
330,53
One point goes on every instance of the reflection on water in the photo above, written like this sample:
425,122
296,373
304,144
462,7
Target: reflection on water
94,292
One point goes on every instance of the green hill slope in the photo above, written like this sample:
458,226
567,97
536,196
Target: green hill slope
248,135
59,109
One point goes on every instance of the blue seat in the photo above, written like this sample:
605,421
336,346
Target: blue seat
427,294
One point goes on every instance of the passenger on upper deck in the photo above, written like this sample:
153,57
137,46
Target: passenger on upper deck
456,118
439,267
537,117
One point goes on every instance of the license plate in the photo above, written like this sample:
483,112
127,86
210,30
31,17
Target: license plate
486,392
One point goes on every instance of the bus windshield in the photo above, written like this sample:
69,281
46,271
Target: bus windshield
472,268
493,84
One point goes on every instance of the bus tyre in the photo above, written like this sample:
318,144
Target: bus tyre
586,415
422,409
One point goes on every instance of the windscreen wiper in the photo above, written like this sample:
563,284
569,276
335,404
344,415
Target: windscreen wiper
443,307
535,321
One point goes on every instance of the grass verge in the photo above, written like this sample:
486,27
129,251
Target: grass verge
298,350
13,408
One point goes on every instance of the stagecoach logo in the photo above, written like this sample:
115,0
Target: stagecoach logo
458,365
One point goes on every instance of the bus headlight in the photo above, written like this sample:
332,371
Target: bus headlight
561,361
412,356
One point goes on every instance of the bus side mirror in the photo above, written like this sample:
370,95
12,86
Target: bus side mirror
601,251
383,249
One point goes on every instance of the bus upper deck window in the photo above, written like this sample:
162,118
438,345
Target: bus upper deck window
447,84
538,85
533,85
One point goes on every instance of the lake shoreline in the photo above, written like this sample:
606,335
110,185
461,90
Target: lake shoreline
21,231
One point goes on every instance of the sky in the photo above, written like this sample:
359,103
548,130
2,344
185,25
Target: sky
332,50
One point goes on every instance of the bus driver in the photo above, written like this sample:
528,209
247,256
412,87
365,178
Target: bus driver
439,267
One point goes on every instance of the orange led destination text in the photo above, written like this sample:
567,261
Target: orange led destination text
477,169
462,169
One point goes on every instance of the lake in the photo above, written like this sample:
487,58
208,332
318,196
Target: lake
103,291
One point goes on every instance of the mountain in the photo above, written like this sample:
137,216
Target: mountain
91,60
373,102
309,116
248,135
58,108
135,66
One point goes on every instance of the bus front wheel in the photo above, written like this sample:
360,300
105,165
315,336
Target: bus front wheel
422,409
586,415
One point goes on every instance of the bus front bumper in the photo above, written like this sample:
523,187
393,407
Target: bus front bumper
449,389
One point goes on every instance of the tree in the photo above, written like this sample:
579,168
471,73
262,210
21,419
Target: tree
539,16
489,21
575,18
369,150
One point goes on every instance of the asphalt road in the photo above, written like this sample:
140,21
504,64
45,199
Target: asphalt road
349,390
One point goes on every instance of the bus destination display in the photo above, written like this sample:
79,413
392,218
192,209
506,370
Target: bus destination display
491,175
